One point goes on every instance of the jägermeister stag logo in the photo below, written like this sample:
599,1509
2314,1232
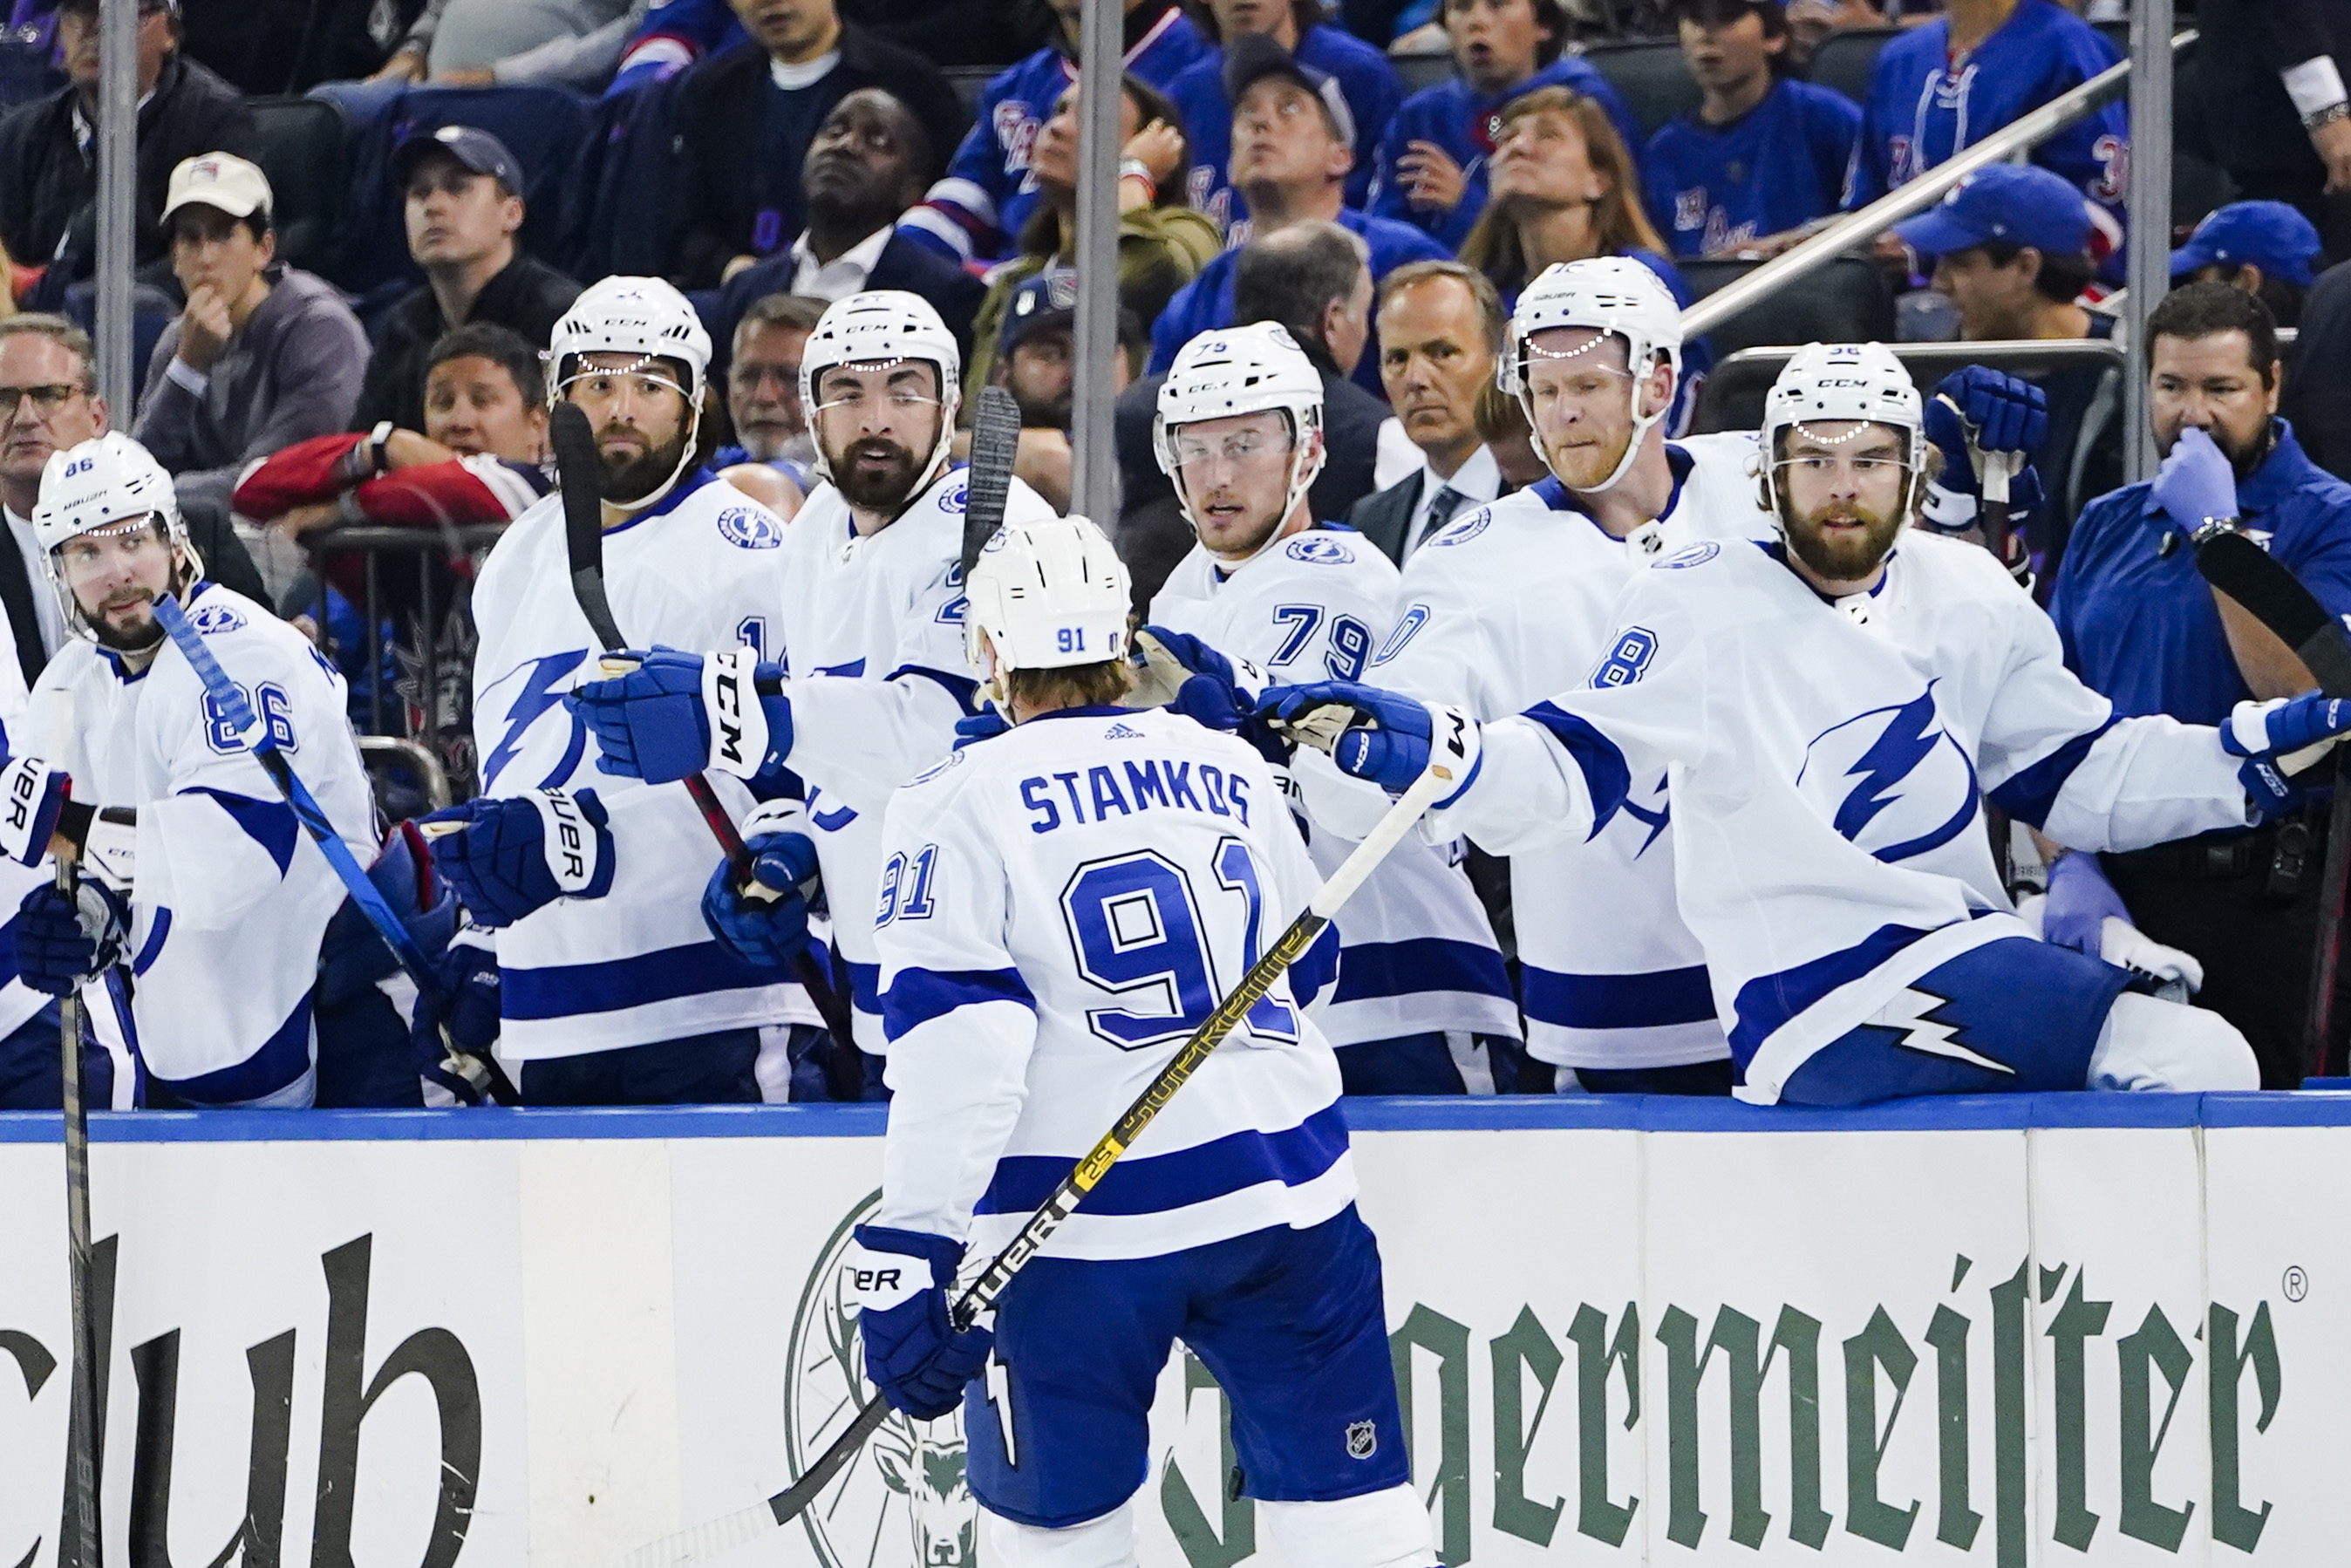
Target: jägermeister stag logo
904,1499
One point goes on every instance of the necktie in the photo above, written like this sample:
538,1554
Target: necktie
1441,507
17,598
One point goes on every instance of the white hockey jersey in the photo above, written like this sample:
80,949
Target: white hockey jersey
1828,764
1062,906
231,897
1507,606
872,646
1417,953
702,568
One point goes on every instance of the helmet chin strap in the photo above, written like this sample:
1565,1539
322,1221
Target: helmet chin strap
1641,428
692,440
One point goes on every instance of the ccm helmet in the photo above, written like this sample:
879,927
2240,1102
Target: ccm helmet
1242,370
879,327
1609,294
645,316
1046,595
1834,383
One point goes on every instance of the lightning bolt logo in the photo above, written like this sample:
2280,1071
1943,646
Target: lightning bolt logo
1913,1012
1910,735
999,1398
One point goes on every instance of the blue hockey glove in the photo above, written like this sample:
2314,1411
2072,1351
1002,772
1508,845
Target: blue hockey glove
678,714
2196,481
769,930
1373,733
2280,741
913,1355
985,725
1177,671
2080,899
511,856
32,794
468,1012
63,939
2004,413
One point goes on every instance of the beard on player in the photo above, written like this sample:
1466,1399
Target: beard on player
631,477
1844,541
873,473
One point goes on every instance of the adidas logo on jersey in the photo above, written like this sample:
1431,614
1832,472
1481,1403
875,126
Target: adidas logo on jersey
1123,731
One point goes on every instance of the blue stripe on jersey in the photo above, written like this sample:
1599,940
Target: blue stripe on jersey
864,985
1159,1183
1407,968
269,823
2033,791
1618,1001
570,990
153,949
283,1058
1313,969
963,689
1768,1002
921,995
1605,775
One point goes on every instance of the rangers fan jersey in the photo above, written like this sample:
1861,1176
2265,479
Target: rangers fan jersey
872,647
1365,79
1417,954
1777,167
231,896
702,567
1062,906
1829,763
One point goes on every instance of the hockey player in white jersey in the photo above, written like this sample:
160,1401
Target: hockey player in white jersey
1835,708
863,676
585,888
195,874
1064,904
1422,1003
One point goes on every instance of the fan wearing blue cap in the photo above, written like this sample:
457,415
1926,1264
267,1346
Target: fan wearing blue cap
2266,248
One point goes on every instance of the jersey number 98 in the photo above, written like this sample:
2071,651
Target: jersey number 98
1138,929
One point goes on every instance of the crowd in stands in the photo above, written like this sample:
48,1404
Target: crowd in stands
1382,179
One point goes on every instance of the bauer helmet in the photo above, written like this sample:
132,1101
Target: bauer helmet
649,318
1243,370
1610,294
1046,595
1833,382
107,481
879,327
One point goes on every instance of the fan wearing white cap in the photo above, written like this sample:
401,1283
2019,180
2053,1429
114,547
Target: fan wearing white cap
192,860
568,869
1428,1007
863,675
1062,905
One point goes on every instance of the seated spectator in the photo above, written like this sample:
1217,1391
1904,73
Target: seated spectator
463,196
2011,250
263,355
48,403
1762,154
982,205
2139,625
1315,278
763,386
1365,83
493,43
867,163
1939,89
1161,242
1562,190
746,123
49,181
1036,360
2318,393
1292,146
1440,333
1433,162
2266,248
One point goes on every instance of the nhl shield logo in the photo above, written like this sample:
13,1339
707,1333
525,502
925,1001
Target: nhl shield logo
1362,1439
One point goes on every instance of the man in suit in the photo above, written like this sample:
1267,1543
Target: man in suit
1440,332
871,159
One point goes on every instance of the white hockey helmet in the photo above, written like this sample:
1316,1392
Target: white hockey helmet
1833,382
642,316
1612,293
1242,370
107,480
878,326
1046,595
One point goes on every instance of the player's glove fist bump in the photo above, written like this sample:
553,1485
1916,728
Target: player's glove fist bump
1175,670
512,856
913,1355
64,938
1377,735
673,715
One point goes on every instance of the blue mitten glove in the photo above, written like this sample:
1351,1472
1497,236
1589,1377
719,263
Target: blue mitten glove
63,939
2080,899
913,1353
2196,480
766,926
468,1012
32,796
511,856
677,714
1373,733
2280,741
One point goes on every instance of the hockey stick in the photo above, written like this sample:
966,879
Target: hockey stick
2268,591
576,463
704,1541
484,1074
84,1547
995,441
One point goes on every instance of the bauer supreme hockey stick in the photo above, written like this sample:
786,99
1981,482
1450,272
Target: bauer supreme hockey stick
995,442
577,463
704,1542
234,710
2268,591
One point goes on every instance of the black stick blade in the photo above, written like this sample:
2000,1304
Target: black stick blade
2273,595
579,474
995,437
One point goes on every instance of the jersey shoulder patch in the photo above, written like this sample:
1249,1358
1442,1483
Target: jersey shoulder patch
956,496
1688,556
751,528
939,769
1319,549
212,619
1466,528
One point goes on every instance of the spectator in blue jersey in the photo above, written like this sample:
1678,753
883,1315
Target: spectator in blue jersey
1292,147
1763,153
1941,88
1432,164
979,208
2139,625
1364,80
745,120
2266,248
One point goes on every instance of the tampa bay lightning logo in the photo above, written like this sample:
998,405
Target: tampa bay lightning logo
214,619
1468,529
957,497
1321,550
1892,780
749,528
1688,556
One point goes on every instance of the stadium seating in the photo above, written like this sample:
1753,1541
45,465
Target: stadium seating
1845,60
25,73
1418,72
1847,301
304,150
1653,77
968,81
